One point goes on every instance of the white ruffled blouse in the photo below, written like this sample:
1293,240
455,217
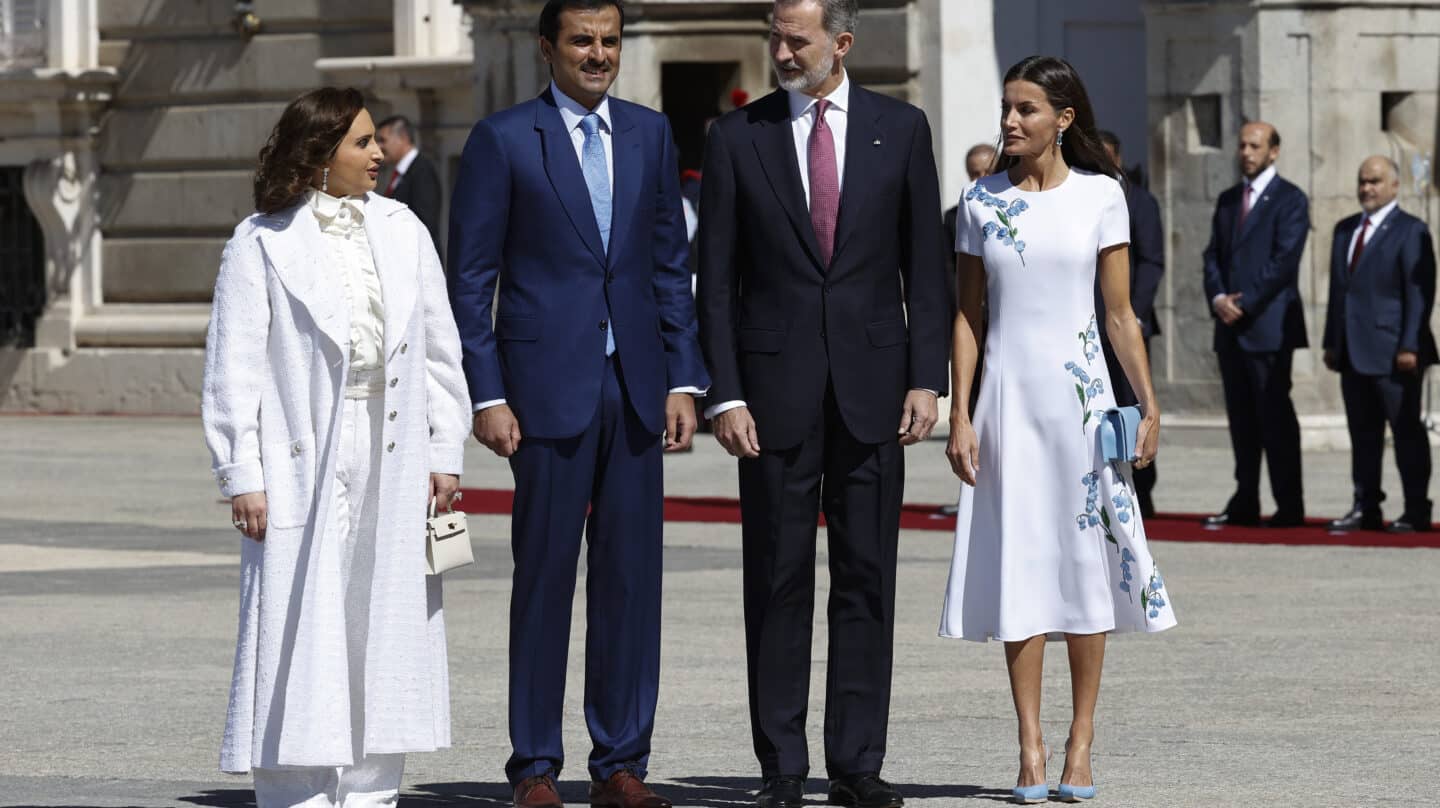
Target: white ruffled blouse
342,223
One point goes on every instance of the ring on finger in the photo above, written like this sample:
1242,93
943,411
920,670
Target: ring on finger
239,523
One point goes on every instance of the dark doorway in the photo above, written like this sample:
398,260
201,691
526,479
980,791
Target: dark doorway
22,262
691,93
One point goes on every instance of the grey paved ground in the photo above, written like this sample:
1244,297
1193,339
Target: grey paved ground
1299,676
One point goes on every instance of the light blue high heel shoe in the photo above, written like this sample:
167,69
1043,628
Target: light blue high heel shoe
1038,793
1069,793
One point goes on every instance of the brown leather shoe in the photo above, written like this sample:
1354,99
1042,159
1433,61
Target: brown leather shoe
625,790
537,792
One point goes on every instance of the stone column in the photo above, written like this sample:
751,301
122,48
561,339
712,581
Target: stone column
960,83
60,191
430,28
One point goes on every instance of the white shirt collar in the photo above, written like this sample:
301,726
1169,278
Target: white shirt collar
408,160
572,111
839,98
1379,216
1260,182
327,207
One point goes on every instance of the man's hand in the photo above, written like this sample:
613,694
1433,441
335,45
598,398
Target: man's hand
918,418
249,512
735,430
1332,361
1406,361
497,428
1227,308
680,421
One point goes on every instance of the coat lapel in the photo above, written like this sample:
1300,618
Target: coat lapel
1257,210
563,168
293,244
629,171
397,263
1375,241
775,145
863,143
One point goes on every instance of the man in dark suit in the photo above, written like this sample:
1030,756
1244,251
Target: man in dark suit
1252,271
571,202
820,234
1147,267
413,179
1377,335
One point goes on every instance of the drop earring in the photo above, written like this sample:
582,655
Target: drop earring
325,180
1060,137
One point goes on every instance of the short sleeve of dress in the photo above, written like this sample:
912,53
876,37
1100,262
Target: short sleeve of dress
968,236
1114,216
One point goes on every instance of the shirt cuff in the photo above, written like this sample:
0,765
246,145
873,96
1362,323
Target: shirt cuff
711,412
485,405
1216,299
691,389
935,393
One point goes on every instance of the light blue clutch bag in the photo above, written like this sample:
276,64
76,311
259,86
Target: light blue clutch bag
1119,428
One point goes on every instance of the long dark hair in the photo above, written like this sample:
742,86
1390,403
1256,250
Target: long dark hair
306,136
1081,146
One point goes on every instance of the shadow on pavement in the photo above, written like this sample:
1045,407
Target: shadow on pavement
689,792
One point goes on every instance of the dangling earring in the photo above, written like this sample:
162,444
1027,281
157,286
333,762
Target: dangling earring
325,179
1059,138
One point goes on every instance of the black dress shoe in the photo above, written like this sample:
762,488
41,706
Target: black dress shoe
1407,524
1231,518
1358,519
1286,519
864,791
781,791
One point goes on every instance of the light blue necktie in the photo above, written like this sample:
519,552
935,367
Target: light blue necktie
597,178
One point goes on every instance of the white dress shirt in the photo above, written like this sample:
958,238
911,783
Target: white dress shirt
802,123
1257,188
406,161
1375,219
572,112
342,224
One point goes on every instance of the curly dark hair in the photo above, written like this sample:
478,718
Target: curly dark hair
303,140
1063,88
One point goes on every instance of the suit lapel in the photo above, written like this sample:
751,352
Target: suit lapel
1258,210
563,169
863,143
397,263
296,252
1373,244
629,169
775,146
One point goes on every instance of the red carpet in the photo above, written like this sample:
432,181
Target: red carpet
1163,527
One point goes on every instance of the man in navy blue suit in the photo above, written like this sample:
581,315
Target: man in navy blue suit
571,203
1252,273
1377,335
1147,267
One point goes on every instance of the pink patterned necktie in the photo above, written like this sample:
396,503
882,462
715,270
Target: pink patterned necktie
824,184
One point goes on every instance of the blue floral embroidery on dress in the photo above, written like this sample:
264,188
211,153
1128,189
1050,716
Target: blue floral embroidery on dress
1096,515
1006,231
1126,559
1152,597
1123,507
1090,341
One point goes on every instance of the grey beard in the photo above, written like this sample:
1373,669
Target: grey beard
803,82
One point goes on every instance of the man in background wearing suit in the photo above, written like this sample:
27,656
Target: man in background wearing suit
571,202
413,179
1252,272
1147,267
820,233
1377,336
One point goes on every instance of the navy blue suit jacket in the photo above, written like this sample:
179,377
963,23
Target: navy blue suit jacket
1262,262
521,216
1384,306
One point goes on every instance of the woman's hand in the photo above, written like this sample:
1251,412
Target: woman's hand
1147,438
248,513
444,489
963,450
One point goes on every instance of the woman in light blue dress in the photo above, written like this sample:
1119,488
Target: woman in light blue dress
1048,539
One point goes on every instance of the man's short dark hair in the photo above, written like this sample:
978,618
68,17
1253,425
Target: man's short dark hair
401,126
550,15
1110,139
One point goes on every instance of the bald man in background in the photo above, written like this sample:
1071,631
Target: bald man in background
1377,337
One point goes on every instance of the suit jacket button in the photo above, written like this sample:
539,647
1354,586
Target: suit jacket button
610,278
604,324
391,447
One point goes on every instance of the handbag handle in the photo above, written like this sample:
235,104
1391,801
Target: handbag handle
450,509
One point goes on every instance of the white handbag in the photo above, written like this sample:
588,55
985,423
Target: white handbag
447,540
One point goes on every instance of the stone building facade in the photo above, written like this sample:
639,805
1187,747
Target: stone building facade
137,122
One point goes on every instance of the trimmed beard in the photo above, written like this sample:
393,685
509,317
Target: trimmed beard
808,79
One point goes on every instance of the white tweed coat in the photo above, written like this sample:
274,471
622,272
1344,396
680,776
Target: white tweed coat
275,367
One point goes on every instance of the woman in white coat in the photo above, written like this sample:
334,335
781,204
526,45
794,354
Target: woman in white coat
334,407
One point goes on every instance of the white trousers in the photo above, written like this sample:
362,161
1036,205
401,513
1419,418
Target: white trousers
374,780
